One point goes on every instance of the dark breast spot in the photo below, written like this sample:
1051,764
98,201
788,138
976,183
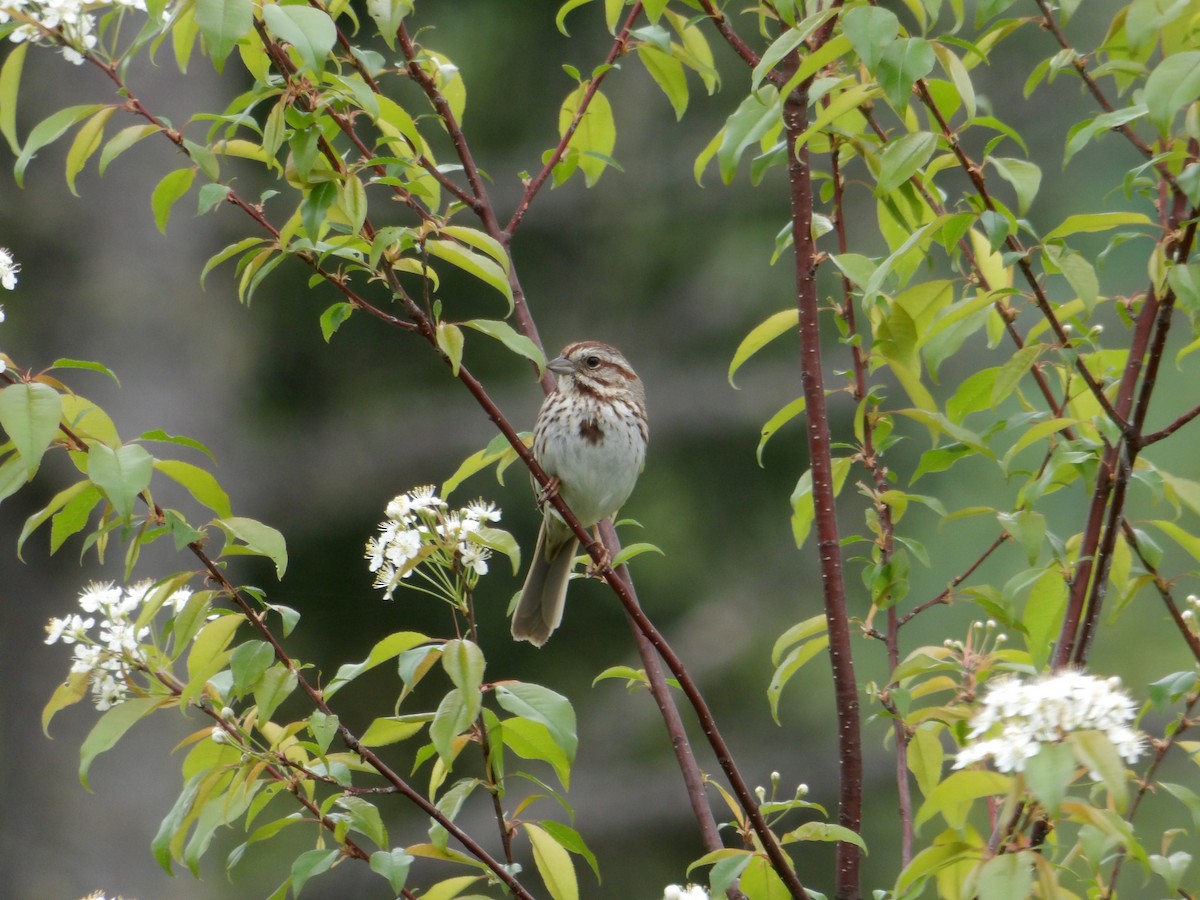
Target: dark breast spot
590,431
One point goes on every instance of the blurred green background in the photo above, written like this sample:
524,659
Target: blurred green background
315,438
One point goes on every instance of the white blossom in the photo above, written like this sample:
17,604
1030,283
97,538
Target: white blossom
421,530
1018,717
8,268
690,892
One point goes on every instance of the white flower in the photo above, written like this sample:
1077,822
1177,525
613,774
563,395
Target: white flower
481,511
2,318
8,268
180,598
107,691
1018,717
98,597
87,658
691,892
474,556
219,736
69,630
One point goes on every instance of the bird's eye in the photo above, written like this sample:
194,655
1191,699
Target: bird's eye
592,362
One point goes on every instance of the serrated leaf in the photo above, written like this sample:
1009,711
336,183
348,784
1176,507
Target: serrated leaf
122,474
757,114
30,414
825,831
310,863
388,648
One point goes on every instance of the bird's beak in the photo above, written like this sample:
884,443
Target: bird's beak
560,365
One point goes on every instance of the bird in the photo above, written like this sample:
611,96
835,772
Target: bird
590,438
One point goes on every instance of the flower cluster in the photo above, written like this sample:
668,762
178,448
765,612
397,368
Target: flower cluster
421,528
69,23
109,656
691,892
1018,717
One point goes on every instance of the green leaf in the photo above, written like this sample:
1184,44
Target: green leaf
1008,876
484,268
532,701
825,831
199,483
258,538
454,715
871,29
122,474
762,334
12,476
388,16
1024,176
87,141
247,664
122,141
773,424
167,193
223,23
393,729
1174,83
1094,750
73,516
790,665
450,342
1013,371
510,338
902,63
333,317
275,686
111,728
553,864
388,648
464,663
310,862
49,130
60,500
756,115
668,73
87,365
1043,614
1097,222
925,758
10,83
591,146
952,798
70,692
1049,774
533,740
365,818
902,159
392,864
29,414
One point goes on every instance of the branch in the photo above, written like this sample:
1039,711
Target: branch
795,120
535,185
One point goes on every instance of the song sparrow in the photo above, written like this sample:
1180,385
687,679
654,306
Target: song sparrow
590,438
